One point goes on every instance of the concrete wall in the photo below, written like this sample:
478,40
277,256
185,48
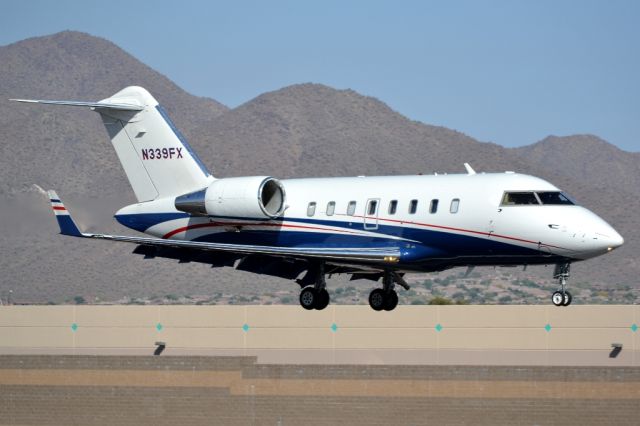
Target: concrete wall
481,335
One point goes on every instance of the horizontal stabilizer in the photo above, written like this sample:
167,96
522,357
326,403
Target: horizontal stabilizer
93,105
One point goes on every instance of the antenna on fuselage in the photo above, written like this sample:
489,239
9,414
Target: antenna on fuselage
470,170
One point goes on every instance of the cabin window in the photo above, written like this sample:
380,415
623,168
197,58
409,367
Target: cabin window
519,199
455,204
413,206
311,209
331,208
555,198
393,206
351,209
373,206
433,206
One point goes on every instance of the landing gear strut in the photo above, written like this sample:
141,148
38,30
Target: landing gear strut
562,297
386,298
315,296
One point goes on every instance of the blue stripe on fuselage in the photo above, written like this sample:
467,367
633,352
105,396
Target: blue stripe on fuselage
432,243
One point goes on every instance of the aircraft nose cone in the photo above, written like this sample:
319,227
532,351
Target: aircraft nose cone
610,239
615,240
591,236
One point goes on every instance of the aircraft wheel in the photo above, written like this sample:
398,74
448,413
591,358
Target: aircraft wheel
377,299
391,301
322,299
557,298
308,297
567,299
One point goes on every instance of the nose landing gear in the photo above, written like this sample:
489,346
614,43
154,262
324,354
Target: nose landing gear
562,297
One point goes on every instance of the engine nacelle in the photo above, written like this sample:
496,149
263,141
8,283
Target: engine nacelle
251,197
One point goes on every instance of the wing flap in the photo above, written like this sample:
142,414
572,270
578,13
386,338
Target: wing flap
356,254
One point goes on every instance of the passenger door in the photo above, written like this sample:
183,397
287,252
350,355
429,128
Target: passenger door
371,213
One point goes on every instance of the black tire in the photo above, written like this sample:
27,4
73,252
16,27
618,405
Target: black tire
567,299
557,298
322,299
308,298
377,299
391,301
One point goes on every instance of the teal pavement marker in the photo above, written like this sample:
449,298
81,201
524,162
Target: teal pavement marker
245,328
74,326
439,327
547,327
334,327
634,327
159,327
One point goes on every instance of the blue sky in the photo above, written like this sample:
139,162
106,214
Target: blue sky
510,72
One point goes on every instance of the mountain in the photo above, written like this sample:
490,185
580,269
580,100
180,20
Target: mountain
313,130
67,147
586,158
297,131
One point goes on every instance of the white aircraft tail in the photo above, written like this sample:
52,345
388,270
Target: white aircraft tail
155,156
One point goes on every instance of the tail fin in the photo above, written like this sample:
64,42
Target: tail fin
65,221
155,156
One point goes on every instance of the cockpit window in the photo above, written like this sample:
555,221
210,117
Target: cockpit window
530,198
554,198
519,199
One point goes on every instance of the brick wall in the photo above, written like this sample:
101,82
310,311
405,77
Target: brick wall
237,390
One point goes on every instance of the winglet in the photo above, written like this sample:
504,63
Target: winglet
65,221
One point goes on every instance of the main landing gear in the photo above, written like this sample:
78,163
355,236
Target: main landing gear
386,298
562,297
316,296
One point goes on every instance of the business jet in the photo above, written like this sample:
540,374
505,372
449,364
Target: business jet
376,228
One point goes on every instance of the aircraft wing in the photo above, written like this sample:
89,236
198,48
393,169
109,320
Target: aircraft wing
373,255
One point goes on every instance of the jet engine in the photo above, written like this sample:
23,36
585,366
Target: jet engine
259,197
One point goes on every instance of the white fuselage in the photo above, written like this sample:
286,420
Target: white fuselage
479,231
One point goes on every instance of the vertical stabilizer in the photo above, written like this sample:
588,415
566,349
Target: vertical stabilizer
156,157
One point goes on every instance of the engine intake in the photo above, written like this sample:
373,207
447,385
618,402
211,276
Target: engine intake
249,197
